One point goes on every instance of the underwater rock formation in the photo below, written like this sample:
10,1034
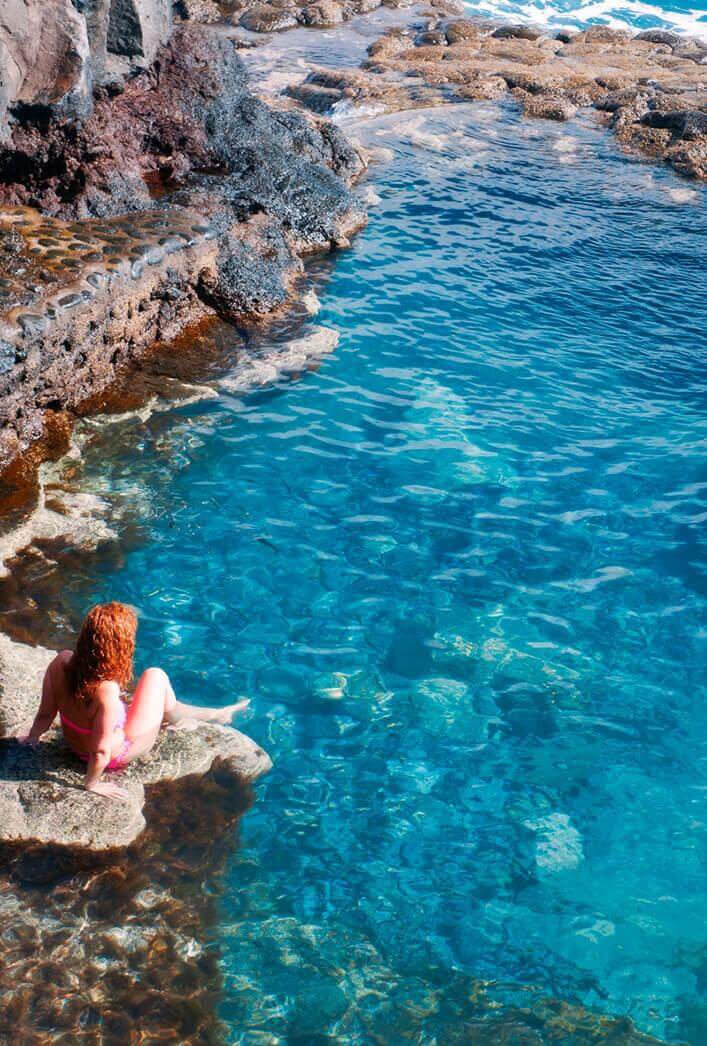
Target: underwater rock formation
42,799
104,947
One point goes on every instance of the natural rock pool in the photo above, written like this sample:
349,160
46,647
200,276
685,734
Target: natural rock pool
459,568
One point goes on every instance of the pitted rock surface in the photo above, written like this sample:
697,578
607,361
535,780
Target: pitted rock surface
42,798
105,271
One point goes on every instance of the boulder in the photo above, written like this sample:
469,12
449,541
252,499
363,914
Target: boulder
601,34
52,53
516,32
659,36
266,18
690,125
204,11
323,13
461,29
42,799
45,60
138,28
545,106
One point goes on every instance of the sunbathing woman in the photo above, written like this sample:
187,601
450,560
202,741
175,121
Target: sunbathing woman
87,688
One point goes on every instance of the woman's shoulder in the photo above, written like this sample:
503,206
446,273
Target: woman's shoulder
107,691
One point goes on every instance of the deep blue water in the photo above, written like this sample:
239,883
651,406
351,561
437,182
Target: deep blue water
460,570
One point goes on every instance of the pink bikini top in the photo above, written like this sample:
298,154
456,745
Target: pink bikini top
65,721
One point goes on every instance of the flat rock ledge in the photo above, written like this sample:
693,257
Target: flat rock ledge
42,799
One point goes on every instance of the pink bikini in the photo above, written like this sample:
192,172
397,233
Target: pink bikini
118,761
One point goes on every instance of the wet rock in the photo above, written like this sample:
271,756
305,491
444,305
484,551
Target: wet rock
461,29
41,794
516,32
265,18
545,107
601,34
323,13
686,124
485,88
204,11
431,37
659,36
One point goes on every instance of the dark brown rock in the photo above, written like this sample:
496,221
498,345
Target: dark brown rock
323,13
516,32
266,18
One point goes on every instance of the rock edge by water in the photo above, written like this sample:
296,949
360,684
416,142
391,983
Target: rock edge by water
236,192
42,799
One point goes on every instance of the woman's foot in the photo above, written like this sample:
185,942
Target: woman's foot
225,715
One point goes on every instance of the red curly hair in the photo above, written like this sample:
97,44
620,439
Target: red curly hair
104,650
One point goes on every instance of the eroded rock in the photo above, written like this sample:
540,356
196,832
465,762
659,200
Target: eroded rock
45,60
92,287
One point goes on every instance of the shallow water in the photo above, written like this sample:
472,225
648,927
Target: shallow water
460,570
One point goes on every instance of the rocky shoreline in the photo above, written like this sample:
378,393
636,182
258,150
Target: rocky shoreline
161,221
649,89
168,195
145,186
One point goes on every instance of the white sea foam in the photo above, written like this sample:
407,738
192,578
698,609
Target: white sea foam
619,14
346,111
296,355
416,130
371,197
379,154
311,302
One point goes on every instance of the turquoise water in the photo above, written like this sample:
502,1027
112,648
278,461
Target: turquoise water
460,570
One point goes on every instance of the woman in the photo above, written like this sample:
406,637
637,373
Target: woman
87,688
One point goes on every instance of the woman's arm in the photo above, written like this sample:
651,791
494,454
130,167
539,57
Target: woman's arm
101,742
47,706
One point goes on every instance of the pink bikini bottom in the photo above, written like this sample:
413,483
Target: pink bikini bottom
117,762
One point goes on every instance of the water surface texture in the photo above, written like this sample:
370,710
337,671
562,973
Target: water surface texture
460,570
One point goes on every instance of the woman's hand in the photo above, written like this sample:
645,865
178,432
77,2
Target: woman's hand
27,739
108,789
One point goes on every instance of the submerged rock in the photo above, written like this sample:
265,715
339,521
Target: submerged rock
42,799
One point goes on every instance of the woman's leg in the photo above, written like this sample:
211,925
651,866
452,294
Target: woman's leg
154,703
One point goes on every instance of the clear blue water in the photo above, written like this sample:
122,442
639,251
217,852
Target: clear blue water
460,570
